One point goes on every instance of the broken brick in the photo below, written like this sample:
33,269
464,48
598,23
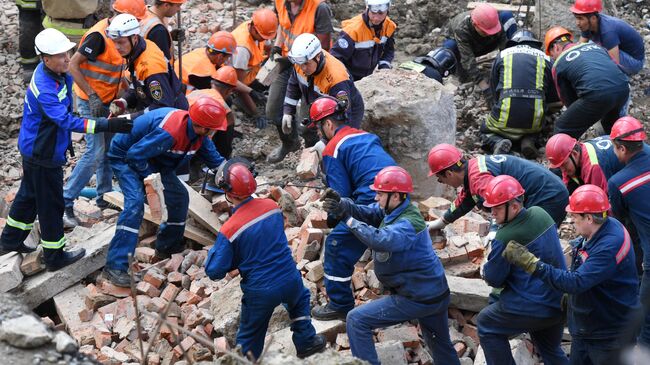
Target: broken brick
169,292
154,278
308,164
145,254
174,263
96,299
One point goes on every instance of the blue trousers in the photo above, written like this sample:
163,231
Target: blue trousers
628,64
342,251
256,310
394,309
93,161
170,234
496,326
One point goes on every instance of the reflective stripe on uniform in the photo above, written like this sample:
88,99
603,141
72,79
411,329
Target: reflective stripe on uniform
591,152
303,318
539,85
482,166
106,66
26,4
74,32
288,100
97,76
53,245
29,61
128,229
175,223
19,225
32,86
90,126
336,278
625,247
635,183
507,84
63,93
364,44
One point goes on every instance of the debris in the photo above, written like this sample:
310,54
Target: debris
154,188
25,332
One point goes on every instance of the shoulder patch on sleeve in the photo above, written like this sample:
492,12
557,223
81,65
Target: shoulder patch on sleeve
343,43
156,90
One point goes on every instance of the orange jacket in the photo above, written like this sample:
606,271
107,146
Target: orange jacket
256,49
195,63
304,22
211,93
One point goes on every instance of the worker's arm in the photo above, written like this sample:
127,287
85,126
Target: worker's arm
388,53
323,25
209,154
220,258
343,49
497,269
337,176
293,94
463,204
370,214
160,36
395,237
162,93
279,39
618,206
614,54
59,113
153,144
92,46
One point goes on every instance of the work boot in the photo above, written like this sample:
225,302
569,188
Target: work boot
162,255
69,219
20,249
57,259
502,147
326,313
103,204
117,277
281,152
317,345
528,148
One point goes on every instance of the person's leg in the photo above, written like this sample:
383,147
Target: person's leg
103,173
223,142
22,214
296,298
630,65
493,143
274,114
256,310
644,295
435,332
547,341
170,236
613,109
579,353
494,329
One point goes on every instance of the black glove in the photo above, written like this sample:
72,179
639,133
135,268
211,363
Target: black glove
257,96
178,35
96,105
275,50
261,122
332,204
119,125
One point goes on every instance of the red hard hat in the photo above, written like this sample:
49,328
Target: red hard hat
502,189
323,107
588,199
226,75
209,113
265,22
393,179
627,129
137,8
587,7
240,181
486,18
558,148
223,42
174,1
443,156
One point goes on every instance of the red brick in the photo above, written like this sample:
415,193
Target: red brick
169,292
208,328
307,250
198,288
174,263
456,314
147,242
294,191
183,296
166,331
308,164
460,348
220,204
144,287
96,299
193,298
471,331
145,254
359,280
308,196
32,263
406,334
107,287
85,315
153,359
156,305
154,278
221,345
185,345
102,338
175,278
195,272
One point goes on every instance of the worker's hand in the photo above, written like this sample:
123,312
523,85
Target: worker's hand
276,51
331,194
286,123
96,105
261,122
257,96
436,225
178,35
318,148
118,107
119,125
519,255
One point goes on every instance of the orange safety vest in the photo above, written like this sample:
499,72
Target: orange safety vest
105,73
256,49
149,21
363,36
195,63
333,72
211,93
304,22
150,62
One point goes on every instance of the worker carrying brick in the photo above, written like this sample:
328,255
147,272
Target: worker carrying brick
603,286
161,140
588,82
623,43
253,241
526,304
366,41
628,192
155,26
153,81
43,141
543,188
315,73
405,264
522,86
351,159
475,33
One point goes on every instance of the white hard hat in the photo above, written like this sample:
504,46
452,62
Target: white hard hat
51,41
304,48
123,25
378,5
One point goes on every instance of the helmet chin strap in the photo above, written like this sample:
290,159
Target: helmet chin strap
507,212
390,195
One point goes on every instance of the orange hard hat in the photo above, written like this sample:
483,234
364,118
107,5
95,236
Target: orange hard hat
174,1
137,8
554,33
223,42
486,18
265,22
209,113
226,75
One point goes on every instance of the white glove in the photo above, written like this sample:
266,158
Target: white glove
318,148
436,225
286,123
117,107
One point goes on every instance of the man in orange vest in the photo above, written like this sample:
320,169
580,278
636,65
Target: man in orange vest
251,37
201,63
153,81
97,69
154,26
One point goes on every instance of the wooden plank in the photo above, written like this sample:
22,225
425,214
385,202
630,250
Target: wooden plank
191,232
503,7
201,210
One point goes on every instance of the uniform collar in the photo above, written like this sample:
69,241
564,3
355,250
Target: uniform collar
138,49
190,130
56,76
234,209
520,216
596,236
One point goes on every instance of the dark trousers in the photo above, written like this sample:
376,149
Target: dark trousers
586,111
595,352
29,21
223,141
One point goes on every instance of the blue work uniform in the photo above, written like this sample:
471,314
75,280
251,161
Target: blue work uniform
253,241
351,160
160,141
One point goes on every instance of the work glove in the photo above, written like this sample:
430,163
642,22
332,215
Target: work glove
258,96
113,125
332,204
318,148
261,122
519,255
286,123
436,225
96,105
118,107
276,51
178,35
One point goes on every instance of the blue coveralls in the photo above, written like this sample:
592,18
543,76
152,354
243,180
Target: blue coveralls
253,241
351,160
603,294
629,190
526,303
407,266
159,142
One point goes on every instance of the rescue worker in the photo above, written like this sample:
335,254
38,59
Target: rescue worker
405,264
295,17
543,188
199,64
474,33
315,73
153,81
628,191
525,304
252,37
588,83
161,140
43,141
366,41
623,43
155,26
591,162
522,86
98,70
437,64
29,23
602,283
253,241
351,159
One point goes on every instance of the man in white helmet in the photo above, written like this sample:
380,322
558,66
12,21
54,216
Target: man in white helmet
43,142
315,73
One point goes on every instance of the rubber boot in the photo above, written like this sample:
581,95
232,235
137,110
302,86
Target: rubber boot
58,258
290,143
326,313
69,219
117,277
502,147
528,148
318,345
